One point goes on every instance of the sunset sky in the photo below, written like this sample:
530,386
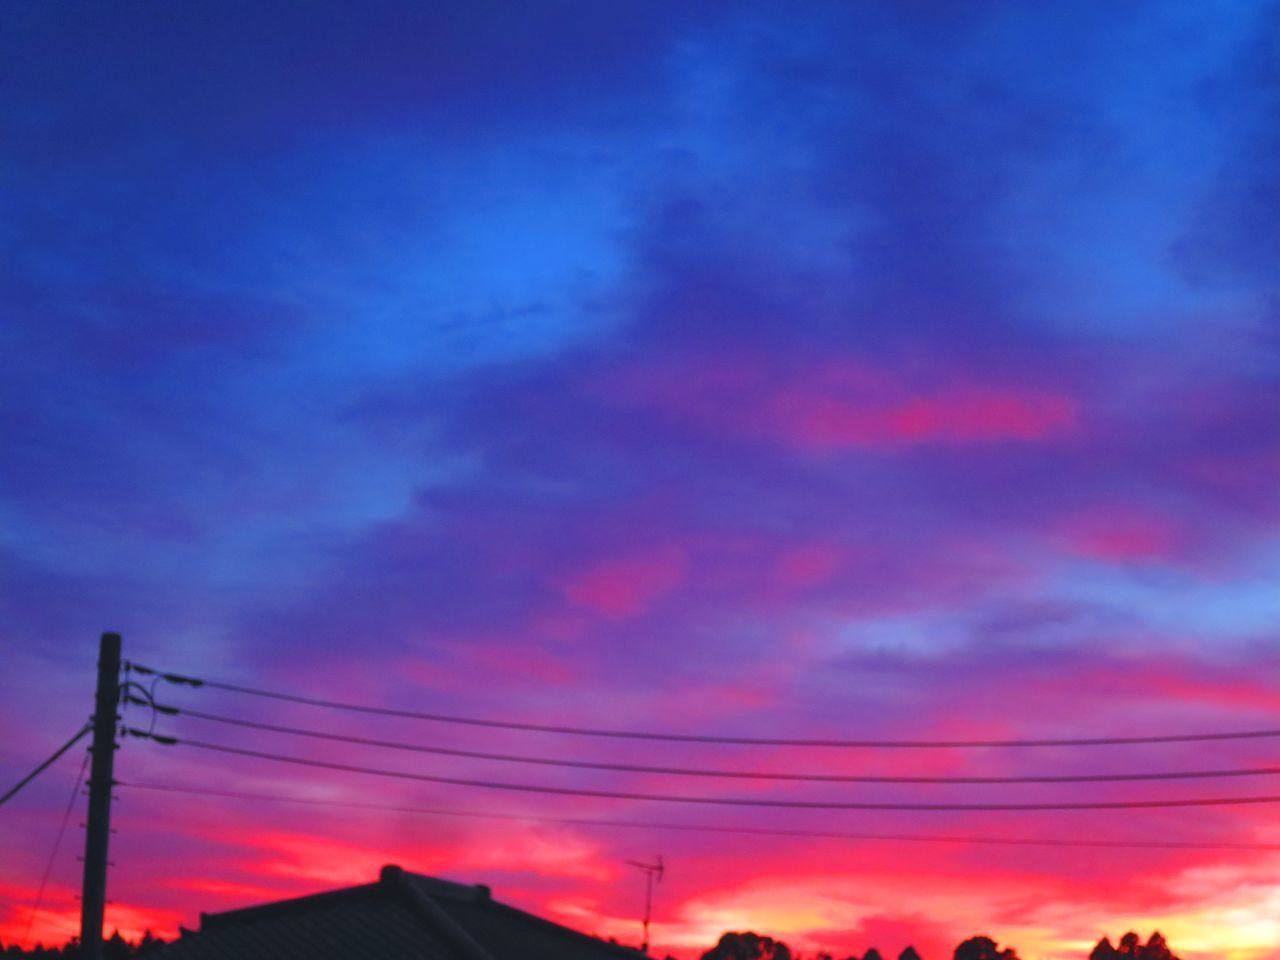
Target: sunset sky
827,370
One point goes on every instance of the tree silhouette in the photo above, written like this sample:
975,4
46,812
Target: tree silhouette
909,954
983,948
748,946
1157,948
1132,948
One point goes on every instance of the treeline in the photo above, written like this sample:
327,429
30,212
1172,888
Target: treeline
732,946
752,946
115,948
1131,948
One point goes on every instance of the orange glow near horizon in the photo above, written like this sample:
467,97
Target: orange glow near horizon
929,900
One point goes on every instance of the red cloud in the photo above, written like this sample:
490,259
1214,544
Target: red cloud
958,415
826,404
891,933
808,566
1119,534
628,586
1175,682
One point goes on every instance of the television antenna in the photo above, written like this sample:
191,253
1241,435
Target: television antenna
652,871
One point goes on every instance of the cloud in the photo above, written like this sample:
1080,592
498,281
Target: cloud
982,416
630,585
1120,534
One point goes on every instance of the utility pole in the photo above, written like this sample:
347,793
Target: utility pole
652,871
101,780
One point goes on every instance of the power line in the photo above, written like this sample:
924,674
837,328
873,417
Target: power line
48,867
705,828
710,801
45,765
702,738
722,774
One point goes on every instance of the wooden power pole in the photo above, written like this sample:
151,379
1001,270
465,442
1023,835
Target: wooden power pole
101,780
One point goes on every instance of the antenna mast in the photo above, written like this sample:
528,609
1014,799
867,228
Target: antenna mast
652,871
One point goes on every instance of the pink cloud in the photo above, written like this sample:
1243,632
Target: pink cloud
891,933
514,659
1175,682
840,896
822,403
227,890
59,916
628,586
808,566
958,415
1119,534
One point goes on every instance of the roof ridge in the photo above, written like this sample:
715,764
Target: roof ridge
438,886
426,898
632,952
404,884
273,908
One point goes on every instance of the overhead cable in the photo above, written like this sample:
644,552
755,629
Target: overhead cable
45,765
722,774
53,853
706,738
710,801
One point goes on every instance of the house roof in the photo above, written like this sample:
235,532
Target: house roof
403,916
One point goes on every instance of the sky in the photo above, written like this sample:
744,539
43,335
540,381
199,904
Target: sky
834,370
